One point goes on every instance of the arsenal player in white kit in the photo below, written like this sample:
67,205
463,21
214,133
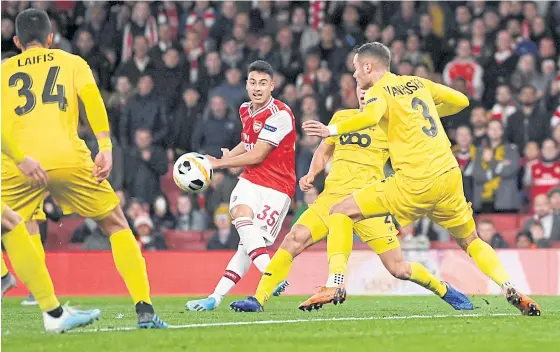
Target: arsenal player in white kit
260,201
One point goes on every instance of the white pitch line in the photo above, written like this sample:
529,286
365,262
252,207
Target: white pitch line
295,321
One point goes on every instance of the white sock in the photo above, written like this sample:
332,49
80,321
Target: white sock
335,280
237,267
253,242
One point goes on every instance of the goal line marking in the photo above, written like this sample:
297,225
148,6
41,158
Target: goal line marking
297,321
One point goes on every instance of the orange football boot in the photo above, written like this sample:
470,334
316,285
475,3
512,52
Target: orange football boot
325,295
525,304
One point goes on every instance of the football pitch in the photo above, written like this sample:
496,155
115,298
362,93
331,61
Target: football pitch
419,323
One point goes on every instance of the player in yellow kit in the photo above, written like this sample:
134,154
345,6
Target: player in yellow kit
427,178
358,159
40,90
27,263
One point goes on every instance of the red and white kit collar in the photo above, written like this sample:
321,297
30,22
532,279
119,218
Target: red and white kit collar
263,108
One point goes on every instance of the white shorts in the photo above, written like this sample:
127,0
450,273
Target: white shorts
269,206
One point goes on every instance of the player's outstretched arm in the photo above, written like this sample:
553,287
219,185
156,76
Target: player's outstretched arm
320,159
254,156
448,100
238,150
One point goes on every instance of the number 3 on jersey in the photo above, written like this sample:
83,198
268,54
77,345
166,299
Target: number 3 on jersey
48,97
433,130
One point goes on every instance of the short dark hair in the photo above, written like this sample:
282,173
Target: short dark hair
377,50
33,25
525,86
261,66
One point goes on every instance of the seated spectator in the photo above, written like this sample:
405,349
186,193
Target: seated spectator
307,146
524,240
141,24
308,199
117,102
537,231
291,62
413,53
91,236
233,90
88,50
231,55
183,121
531,156
140,63
161,215
495,174
312,64
165,42
144,110
221,186
504,107
145,164
487,232
188,218
171,75
211,74
462,117
479,123
545,174
217,117
266,52
226,236
148,239
499,67
331,49
465,66
554,198
465,153
544,216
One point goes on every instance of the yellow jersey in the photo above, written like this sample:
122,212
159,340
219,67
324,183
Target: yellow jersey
358,157
418,145
40,102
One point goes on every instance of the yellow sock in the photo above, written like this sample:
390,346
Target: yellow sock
339,243
29,267
487,261
131,265
421,276
4,267
36,238
276,272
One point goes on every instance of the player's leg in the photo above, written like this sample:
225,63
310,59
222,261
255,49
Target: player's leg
309,229
31,269
33,229
455,214
8,280
237,268
75,190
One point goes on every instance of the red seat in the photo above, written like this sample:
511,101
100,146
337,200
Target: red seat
509,236
444,245
502,222
182,239
59,233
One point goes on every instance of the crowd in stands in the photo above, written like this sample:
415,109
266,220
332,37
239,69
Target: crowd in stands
172,76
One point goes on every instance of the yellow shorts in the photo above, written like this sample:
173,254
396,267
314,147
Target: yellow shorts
441,199
379,233
74,189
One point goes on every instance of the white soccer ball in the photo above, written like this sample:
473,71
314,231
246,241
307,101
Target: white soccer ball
192,172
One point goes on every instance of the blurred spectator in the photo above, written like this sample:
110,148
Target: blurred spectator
8,32
352,33
424,228
165,43
525,74
538,233
188,218
430,42
545,174
291,62
530,122
331,49
504,107
413,53
487,232
59,41
547,48
481,48
466,67
141,24
170,78
144,110
140,63
499,67
307,146
405,19
219,192
544,216
546,76
308,198
462,118
226,236
305,37
88,51
218,117
524,240
290,97
479,122
312,64
148,238
231,55
101,30
91,236
495,174
266,52
531,156
193,48
212,74
465,152
224,22
554,198
233,90
462,28
161,215
148,162
117,102
183,121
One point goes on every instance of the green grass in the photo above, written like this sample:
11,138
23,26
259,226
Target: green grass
22,327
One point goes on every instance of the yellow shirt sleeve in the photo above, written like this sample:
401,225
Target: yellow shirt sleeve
448,100
93,102
9,147
374,109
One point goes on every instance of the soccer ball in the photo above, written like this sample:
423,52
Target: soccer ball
192,172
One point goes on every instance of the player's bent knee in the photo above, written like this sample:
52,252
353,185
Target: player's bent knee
241,211
349,208
400,270
465,242
297,240
114,222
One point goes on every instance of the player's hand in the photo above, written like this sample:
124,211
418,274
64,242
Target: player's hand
34,171
226,153
214,162
306,183
103,165
315,128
